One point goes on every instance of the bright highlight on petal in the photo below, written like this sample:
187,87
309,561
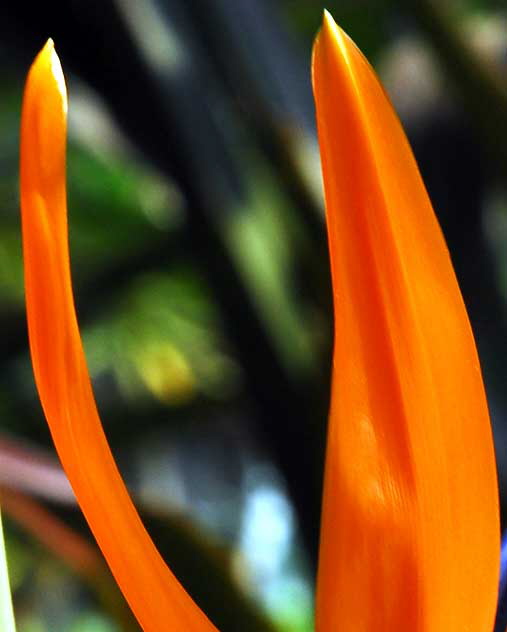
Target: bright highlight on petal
157,599
410,531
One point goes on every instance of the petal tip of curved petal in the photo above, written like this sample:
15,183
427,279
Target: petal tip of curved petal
330,28
48,68
44,121
331,42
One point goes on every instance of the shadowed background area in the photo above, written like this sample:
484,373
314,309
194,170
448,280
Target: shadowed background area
201,277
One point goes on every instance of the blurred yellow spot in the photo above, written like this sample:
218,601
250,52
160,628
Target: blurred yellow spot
167,374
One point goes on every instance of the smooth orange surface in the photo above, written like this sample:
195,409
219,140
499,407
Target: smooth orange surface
410,527
157,599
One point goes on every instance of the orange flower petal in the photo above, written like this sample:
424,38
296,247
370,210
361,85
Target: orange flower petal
154,594
410,527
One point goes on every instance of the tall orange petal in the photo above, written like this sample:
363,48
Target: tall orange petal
410,527
157,599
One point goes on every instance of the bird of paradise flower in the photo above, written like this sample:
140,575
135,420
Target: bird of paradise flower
410,526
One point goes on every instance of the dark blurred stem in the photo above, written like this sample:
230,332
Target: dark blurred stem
272,129
484,94
282,407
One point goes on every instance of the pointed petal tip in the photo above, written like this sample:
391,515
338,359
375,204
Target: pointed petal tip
322,33
337,35
327,19
45,54
47,64
49,45
330,37
330,27
327,25
44,121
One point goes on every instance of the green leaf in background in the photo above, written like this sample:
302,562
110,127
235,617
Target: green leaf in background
93,623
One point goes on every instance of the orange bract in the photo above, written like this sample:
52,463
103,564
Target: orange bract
410,527
154,594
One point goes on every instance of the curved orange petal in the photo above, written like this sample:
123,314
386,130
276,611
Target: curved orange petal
410,526
154,594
